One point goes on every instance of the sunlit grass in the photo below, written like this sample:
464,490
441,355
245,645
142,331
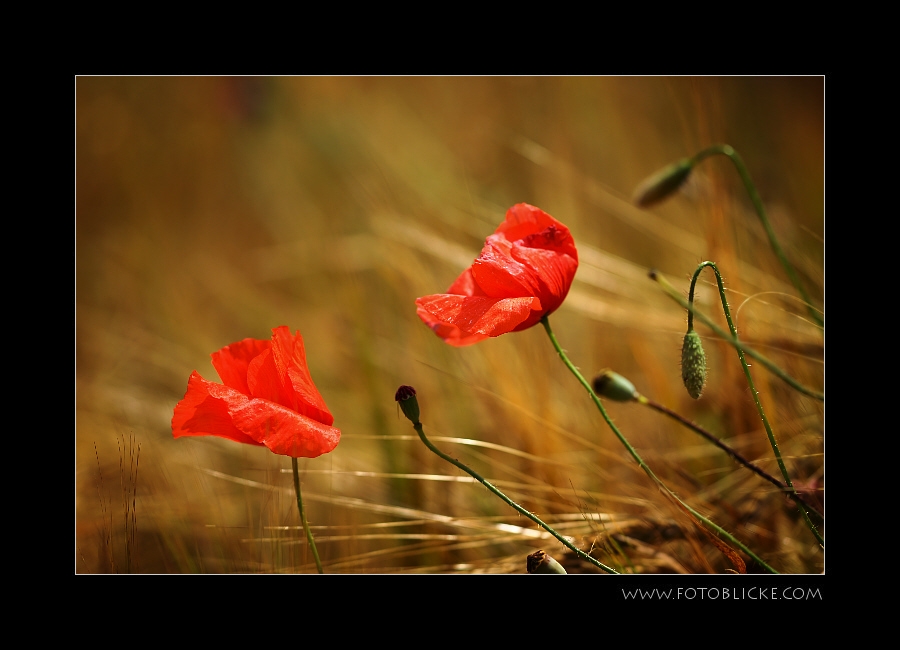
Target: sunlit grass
224,208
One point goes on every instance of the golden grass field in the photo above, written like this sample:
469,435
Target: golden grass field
209,210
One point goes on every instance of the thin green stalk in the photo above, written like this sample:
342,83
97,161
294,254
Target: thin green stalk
309,536
418,427
733,340
640,461
732,155
793,494
753,391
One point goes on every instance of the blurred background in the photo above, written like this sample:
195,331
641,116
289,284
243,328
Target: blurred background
213,209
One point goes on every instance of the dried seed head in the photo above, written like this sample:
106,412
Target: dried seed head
693,364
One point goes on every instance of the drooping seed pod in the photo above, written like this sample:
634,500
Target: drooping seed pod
613,386
663,183
693,364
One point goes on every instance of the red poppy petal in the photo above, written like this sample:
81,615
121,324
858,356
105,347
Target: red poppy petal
477,314
450,333
465,285
231,362
282,430
523,220
532,227
263,379
551,272
555,238
500,276
290,359
201,414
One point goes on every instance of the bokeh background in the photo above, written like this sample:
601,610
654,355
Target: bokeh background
213,209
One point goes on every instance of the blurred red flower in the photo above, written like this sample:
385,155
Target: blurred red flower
266,398
523,273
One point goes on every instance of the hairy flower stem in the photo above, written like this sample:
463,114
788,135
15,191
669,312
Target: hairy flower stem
418,427
732,339
640,461
732,155
309,536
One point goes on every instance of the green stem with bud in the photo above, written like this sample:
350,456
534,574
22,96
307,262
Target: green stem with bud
406,398
418,427
733,340
309,536
640,461
759,408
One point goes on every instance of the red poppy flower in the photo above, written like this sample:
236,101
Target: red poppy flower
523,273
266,398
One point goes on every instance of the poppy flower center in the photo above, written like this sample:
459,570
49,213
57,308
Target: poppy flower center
550,238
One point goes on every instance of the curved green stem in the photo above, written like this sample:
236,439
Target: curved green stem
733,340
309,536
753,391
732,155
418,427
640,461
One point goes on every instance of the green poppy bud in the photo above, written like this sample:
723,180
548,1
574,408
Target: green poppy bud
613,386
540,562
406,398
663,183
693,364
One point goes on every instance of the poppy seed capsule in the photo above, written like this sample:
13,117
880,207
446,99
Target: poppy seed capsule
406,398
613,386
663,183
693,364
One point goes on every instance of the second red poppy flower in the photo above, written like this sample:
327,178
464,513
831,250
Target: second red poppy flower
266,397
523,273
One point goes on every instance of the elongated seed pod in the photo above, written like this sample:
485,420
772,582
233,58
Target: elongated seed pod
693,364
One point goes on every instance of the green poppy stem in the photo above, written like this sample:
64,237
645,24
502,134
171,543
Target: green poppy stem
640,461
732,155
418,427
309,536
793,494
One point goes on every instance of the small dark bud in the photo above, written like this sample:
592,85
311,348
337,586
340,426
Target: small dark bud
406,398
613,386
